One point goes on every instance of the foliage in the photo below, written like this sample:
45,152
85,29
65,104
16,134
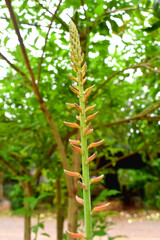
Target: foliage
121,43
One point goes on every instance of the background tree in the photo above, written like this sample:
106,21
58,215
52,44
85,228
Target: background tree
120,41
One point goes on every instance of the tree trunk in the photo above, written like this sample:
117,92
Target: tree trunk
27,218
60,213
1,186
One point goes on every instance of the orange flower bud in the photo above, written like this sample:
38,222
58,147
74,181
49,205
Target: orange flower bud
100,208
71,104
90,88
87,95
77,149
74,90
78,107
75,86
84,69
96,144
79,200
82,185
73,174
73,125
75,142
73,78
91,158
90,108
84,80
96,179
74,67
92,116
86,129
75,235
89,131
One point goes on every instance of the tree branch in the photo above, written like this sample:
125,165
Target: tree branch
56,17
15,24
143,65
46,39
114,11
117,160
140,116
15,67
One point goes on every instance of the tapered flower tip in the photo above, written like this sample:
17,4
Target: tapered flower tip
96,179
79,200
73,125
82,185
73,174
99,208
75,235
95,144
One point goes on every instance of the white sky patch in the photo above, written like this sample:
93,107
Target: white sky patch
64,15
93,55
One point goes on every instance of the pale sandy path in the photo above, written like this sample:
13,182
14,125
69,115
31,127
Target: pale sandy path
12,229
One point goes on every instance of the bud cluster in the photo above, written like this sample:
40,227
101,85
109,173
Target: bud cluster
80,67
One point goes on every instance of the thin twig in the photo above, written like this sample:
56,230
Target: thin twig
56,17
117,160
46,39
114,11
140,116
15,67
121,71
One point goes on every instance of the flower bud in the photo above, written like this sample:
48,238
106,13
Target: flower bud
78,107
75,235
75,86
86,129
89,131
74,90
95,144
100,208
77,149
92,116
73,125
75,142
82,185
90,108
90,88
96,179
91,158
71,105
73,78
87,95
79,200
73,174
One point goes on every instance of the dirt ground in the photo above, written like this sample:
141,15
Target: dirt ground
143,226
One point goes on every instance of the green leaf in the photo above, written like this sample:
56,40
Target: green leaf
99,10
20,211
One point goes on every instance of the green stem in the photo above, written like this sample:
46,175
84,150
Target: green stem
85,169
